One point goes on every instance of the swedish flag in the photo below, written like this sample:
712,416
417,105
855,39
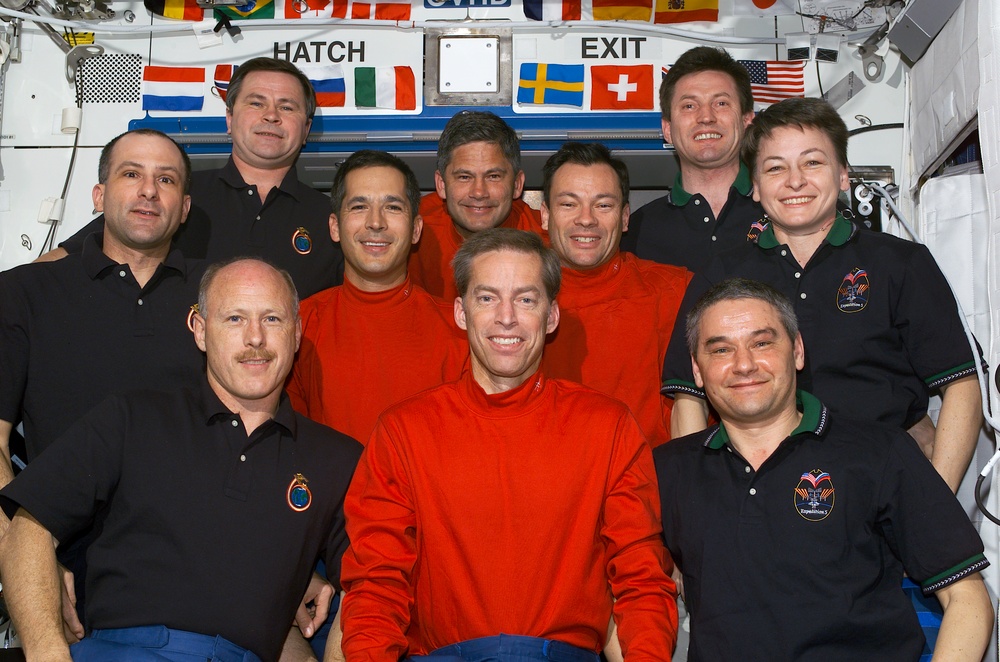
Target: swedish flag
542,83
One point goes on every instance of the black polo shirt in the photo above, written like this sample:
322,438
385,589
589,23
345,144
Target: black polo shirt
880,325
803,559
291,229
200,532
681,229
73,332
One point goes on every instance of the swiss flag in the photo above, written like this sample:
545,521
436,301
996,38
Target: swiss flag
621,87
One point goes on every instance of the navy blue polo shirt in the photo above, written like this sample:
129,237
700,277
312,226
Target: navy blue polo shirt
290,229
681,229
204,529
803,558
880,325
74,331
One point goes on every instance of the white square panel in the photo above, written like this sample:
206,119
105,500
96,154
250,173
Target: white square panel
469,65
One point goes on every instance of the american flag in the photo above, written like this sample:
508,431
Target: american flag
775,80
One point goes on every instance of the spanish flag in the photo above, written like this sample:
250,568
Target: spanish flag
684,11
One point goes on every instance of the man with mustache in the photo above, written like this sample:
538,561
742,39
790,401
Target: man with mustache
255,204
478,183
216,499
108,319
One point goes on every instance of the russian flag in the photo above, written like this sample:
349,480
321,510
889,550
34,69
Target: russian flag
173,88
328,81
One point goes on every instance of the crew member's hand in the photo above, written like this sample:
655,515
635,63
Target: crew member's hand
315,606
72,627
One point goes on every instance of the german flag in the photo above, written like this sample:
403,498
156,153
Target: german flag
184,10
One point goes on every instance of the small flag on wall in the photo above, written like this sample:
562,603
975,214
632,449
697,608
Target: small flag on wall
309,8
385,87
173,88
597,10
554,84
621,87
185,10
775,80
552,10
764,7
384,10
328,81
684,11
223,74
254,9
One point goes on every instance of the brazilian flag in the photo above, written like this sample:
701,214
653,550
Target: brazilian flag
252,9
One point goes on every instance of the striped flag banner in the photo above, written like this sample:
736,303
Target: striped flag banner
173,88
223,74
587,10
328,81
672,11
383,10
385,87
186,10
774,80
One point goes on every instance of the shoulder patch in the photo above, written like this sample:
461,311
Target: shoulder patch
756,228
301,241
854,290
814,496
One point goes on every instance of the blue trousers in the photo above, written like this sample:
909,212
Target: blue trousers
509,648
156,643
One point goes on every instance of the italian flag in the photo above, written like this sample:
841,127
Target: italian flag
385,87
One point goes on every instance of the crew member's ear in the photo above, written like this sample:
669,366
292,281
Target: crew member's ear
460,314
334,228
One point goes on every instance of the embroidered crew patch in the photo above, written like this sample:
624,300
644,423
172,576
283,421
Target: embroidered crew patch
756,228
302,242
299,496
814,495
852,295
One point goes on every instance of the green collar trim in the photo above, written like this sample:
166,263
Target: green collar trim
814,420
681,197
839,234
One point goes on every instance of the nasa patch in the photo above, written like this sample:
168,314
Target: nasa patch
814,495
302,242
756,228
854,290
298,495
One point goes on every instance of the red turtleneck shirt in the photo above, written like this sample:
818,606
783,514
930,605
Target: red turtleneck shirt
614,327
523,513
363,351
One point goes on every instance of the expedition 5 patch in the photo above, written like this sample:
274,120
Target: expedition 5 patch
852,295
814,495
